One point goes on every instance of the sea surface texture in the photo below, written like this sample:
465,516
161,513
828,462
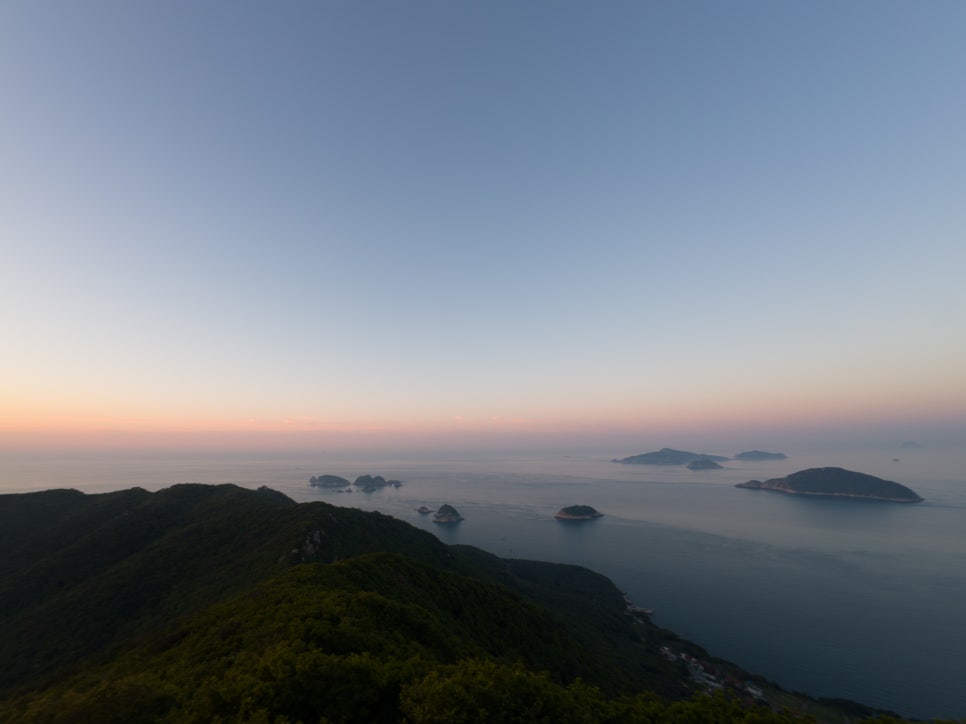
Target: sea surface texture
835,598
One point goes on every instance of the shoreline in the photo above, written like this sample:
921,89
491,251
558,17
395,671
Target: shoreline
852,496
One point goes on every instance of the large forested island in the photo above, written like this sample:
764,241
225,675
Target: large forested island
204,603
667,456
837,483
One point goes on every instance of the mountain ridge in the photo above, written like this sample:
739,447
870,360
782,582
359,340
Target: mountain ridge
198,603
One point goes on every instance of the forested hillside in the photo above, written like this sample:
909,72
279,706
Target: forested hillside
218,603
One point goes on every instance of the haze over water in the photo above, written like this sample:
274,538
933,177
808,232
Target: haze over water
835,598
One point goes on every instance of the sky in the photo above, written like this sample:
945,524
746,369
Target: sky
440,224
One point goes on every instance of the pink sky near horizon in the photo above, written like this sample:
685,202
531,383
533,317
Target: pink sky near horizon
665,426
451,225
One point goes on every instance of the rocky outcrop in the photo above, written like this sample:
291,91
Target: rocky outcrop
447,514
837,483
312,546
577,512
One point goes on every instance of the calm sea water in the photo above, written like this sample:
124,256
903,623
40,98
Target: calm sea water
834,598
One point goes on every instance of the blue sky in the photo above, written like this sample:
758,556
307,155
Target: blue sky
449,221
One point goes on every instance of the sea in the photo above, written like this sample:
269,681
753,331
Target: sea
835,598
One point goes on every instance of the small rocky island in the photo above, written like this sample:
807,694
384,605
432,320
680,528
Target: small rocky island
578,512
760,455
704,463
447,514
667,456
328,481
837,483
423,510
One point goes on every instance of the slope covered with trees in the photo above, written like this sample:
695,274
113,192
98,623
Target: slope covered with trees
217,603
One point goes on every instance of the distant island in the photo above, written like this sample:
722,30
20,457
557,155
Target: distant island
577,512
667,456
423,510
760,455
369,483
447,514
837,483
328,481
704,463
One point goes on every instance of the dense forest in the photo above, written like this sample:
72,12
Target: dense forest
219,603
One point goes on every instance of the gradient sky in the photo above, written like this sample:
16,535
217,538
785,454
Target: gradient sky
364,223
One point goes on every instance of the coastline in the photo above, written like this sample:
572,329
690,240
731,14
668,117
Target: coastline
852,496
657,526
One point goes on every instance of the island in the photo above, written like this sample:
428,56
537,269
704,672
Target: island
447,514
369,483
328,481
837,483
577,512
667,456
760,455
423,510
704,463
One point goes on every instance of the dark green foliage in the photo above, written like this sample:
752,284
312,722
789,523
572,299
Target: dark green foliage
839,483
93,570
216,603
484,691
